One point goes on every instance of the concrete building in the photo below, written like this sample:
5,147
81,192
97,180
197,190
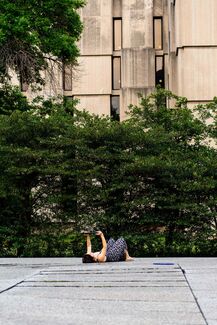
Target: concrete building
130,46
192,49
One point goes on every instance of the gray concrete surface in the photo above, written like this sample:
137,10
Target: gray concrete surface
64,291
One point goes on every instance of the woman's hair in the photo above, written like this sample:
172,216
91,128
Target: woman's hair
87,258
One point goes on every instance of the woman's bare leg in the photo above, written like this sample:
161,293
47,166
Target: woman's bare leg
127,256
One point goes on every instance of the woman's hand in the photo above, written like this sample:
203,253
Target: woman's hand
102,256
99,233
86,234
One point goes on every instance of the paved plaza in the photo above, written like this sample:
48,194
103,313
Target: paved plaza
148,291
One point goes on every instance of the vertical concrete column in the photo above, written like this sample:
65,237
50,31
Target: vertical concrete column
92,85
138,63
148,23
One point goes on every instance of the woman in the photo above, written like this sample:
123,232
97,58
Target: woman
113,251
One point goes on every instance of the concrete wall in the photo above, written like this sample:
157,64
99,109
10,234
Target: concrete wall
196,22
138,56
138,68
137,23
193,56
131,96
53,85
93,76
99,105
197,73
97,35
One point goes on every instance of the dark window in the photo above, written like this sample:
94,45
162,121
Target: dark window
158,33
115,107
117,34
23,85
67,77
116,72
69,104
69,98
159,70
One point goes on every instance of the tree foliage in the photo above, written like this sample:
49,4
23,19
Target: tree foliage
11,99
177,169
34,33
151,178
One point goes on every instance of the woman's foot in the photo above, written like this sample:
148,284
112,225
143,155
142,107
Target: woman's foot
128,258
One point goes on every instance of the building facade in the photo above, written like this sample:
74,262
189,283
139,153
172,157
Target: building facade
130,46
192,49
117,54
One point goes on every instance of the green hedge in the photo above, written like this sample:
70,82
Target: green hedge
52,243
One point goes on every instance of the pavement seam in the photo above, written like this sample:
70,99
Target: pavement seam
11,287
18,283
195,298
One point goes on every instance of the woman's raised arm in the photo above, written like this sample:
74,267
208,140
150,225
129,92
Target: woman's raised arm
102,255
89,248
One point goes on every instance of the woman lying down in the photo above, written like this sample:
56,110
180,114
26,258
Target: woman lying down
112,251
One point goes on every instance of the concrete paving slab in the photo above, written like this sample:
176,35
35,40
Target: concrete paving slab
10,276
95,312
65,291
201,275
156,294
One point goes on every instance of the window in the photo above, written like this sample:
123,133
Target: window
116,72
158,33
117,33
115,108
69,103
23,85
67,77
159,70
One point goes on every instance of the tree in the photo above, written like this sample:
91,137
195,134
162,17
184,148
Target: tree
11,99
175,168
103,153
35,33
33,164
